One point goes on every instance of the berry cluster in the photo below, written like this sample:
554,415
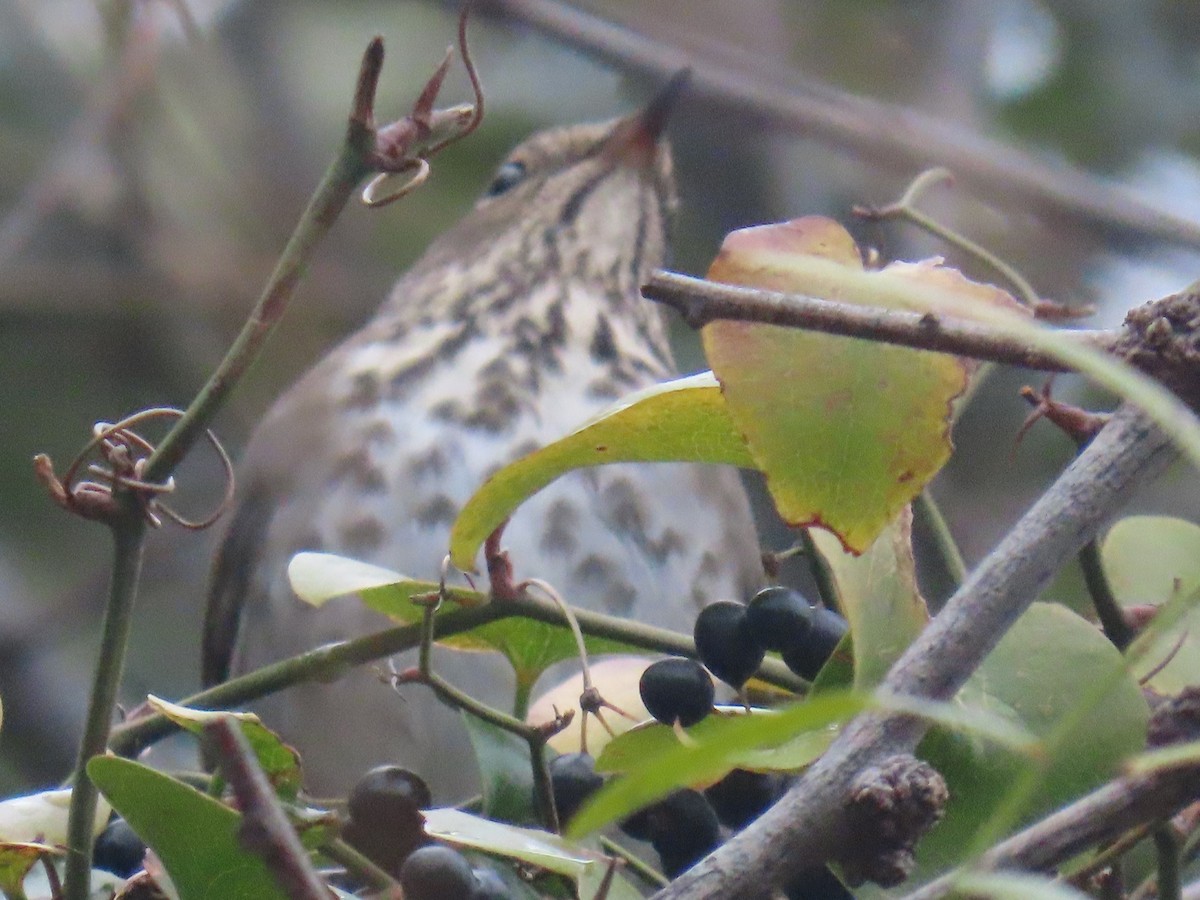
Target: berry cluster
732,638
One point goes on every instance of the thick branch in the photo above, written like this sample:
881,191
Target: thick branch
808,826
701,302
1099,817
882,134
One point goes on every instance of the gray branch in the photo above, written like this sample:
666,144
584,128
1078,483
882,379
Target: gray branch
1100,816
808,826
701,302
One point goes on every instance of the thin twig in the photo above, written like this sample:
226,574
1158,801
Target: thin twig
265,829
809,824
906,209
1108,610
701,302
330,660
896,137
1107,856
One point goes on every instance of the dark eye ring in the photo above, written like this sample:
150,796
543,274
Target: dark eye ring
507,177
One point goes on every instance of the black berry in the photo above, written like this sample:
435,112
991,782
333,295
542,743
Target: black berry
682,827
386,824
573,779
387,793
807,654
437,872
118,849
778,616
741,796
725,643
677,689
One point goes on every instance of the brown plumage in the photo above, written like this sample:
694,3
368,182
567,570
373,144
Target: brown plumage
516,325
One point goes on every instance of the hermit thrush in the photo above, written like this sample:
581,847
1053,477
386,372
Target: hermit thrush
516,325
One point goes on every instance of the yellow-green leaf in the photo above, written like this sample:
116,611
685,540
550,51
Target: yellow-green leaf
681,421
848,432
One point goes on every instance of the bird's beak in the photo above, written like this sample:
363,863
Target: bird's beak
634,139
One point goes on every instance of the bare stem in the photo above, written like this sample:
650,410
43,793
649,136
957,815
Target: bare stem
809,824
906,208
701,302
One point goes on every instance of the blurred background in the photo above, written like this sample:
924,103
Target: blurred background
156,155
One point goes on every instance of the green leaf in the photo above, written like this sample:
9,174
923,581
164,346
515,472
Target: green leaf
583,865
681,421
194,835
879,597
848,432
504,769
630,750
1041,675
280,762
530,646
726,739
1148,560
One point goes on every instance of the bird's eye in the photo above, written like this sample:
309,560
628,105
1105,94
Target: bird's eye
509,176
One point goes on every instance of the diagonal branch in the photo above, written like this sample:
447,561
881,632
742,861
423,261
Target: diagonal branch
701,302
880,133
809,825
1102,815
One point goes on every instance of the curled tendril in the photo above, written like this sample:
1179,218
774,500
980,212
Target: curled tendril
405,147
126,454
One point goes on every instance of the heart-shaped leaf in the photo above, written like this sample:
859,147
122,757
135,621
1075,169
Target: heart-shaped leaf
847,432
